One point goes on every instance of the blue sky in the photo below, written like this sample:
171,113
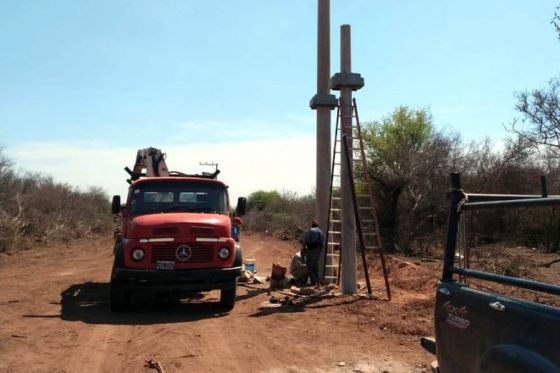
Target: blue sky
83,84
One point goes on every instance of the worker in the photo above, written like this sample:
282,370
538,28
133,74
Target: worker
236,228
313,241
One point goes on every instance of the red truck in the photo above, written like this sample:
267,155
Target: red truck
176,235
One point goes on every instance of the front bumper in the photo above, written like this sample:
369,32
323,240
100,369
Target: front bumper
177,280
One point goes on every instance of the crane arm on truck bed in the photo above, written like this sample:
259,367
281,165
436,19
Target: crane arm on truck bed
150,159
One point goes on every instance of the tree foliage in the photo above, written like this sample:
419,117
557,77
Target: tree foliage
285,215
261,199
407,158
409,163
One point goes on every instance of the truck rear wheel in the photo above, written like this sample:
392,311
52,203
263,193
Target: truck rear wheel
227,298
119,297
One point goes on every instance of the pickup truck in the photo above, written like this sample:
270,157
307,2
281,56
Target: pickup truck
482,330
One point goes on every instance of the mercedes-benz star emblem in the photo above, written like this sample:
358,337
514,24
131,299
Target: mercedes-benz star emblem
183,253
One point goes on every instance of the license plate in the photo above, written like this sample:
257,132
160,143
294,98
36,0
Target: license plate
160,264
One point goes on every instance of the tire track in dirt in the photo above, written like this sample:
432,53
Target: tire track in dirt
55,314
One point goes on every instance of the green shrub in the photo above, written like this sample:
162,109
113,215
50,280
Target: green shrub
284,215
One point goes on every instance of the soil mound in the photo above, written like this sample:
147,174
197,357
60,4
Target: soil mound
407,275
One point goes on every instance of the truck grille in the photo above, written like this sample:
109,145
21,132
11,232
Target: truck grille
165,231
200,253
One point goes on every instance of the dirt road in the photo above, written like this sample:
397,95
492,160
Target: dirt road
55,317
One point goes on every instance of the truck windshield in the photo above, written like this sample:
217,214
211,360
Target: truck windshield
166,196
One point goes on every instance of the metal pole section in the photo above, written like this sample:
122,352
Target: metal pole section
323,102
348,241
452,226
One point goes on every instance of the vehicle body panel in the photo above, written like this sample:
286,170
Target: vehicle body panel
475,334
482,331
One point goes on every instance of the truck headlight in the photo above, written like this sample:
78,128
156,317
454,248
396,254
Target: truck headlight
138,254
223,253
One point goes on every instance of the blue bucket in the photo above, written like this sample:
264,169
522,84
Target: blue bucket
250,265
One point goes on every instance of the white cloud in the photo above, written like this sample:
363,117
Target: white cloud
291,125
285,163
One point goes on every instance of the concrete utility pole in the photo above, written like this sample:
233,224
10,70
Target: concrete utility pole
323,102
346,81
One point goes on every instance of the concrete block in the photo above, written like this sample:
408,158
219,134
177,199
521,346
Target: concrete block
323,99
353,81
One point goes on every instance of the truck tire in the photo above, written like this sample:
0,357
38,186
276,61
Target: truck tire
227,297
119,297
238,257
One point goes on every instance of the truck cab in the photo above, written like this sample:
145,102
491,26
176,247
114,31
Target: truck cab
175,238
484,321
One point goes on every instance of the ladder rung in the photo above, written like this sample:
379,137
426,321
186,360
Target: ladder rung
333,277
334,232
333,243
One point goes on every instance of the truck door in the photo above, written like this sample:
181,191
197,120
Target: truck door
478,331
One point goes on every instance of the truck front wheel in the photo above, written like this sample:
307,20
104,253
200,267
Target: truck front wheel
119,297
227,297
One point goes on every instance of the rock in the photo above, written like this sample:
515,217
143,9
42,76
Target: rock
259,279
268,304
298,269
341,364
295,289
306,291
246,276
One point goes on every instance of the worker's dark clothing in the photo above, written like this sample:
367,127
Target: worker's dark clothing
235,232
313,240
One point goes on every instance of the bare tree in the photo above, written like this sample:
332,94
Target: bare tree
540,108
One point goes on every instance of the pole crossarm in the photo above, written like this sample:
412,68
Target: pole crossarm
323,100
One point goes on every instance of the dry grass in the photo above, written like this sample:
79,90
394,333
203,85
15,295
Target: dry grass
36,209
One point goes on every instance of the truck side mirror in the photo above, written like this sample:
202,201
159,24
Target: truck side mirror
116,205
241,206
